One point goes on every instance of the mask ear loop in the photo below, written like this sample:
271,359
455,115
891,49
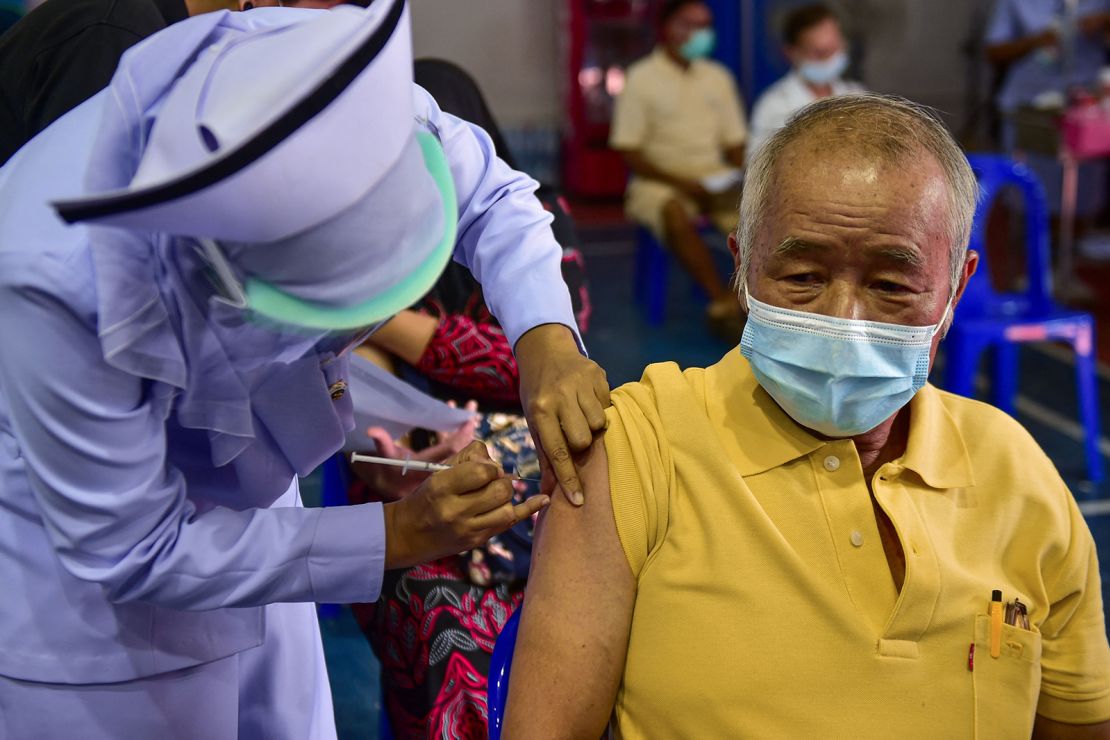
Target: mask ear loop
232,288
944,317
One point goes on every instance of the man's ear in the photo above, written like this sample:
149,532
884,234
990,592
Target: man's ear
734,247
971,264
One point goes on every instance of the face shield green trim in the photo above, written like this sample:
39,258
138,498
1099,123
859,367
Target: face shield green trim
266,300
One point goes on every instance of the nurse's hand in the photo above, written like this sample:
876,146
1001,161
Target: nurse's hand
565,396
393,484
454,510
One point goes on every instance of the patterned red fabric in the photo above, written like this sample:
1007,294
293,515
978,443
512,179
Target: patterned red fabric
473,358
434,634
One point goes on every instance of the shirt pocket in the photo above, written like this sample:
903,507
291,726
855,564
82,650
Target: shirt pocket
1005,688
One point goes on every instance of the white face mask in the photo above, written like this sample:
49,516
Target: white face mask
822,73
840,377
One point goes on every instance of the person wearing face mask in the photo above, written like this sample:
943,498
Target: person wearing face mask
183,270
814,43
679,123
805,539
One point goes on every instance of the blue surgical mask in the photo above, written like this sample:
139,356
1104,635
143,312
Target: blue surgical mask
839,377
699,45
822,73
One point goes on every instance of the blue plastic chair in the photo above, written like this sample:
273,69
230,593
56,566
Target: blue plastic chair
653,265
333,492
501,662
652,272
987,319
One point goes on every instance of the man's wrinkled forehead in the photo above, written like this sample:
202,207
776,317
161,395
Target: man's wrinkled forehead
824,165
843,184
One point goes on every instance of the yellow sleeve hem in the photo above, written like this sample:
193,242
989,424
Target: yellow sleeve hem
626,493
1075,711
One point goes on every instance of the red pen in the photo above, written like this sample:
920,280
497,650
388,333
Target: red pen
971,657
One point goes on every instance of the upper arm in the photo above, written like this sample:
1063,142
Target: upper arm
1075,656
570,653
734,130
630,121
504,233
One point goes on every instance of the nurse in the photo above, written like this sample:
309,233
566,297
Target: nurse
184,260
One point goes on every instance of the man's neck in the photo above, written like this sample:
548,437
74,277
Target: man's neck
819,91
676,57
884,443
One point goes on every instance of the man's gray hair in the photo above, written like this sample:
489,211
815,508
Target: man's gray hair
888,127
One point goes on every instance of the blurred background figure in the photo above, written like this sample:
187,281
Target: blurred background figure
63,53
10,12
679,124
814,43
1044,53
1046,46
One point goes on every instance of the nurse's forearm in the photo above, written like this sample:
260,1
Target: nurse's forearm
92,439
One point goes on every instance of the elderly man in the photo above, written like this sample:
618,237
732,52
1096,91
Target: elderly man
182,270
806,540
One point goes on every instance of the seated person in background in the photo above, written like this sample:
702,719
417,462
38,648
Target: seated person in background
814,43
679,122
803,540
1042,51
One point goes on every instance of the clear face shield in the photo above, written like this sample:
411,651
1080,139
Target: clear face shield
344,327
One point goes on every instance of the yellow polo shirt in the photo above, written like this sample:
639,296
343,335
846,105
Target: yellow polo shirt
765,605
681,119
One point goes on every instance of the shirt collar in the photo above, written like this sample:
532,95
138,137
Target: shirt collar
935,449
760,436
664,59
839,86
172,11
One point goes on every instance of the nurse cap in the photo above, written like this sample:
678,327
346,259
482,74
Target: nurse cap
294,145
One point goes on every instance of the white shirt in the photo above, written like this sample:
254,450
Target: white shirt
780,101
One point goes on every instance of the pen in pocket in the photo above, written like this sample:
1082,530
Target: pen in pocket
996,623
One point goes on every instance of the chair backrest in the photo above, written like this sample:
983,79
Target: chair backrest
996,173
501,662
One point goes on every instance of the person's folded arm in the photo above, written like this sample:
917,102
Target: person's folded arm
93,441
577,613
1047,729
